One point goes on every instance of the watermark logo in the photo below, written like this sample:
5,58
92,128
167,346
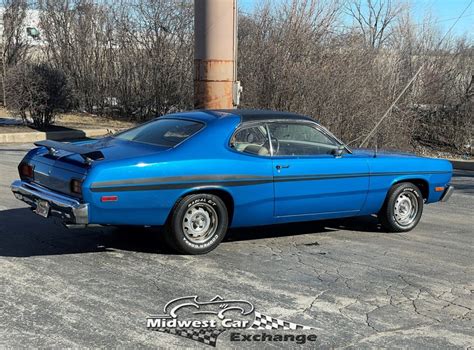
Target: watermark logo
204,321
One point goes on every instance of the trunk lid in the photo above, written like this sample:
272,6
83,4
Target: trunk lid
57,174
56,171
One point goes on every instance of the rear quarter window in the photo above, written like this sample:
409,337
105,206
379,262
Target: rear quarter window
162,132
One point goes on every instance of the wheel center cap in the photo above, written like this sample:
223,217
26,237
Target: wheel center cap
200,223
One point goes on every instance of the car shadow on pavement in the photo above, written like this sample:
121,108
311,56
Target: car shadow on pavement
24,234
359,224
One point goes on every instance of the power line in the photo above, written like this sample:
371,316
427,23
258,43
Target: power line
440,20
450,19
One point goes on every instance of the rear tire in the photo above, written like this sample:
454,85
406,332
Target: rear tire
197,224
402,209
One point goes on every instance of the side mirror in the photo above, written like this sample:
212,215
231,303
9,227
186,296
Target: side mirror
338,152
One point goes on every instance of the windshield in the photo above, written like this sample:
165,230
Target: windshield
162,132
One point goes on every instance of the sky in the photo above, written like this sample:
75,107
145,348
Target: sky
444,13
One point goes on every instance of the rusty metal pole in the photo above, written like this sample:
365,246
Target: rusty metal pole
214,53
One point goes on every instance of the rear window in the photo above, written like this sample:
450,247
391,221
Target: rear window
162,132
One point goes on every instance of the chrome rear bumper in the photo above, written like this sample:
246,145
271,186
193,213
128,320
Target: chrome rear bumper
447,193
69,209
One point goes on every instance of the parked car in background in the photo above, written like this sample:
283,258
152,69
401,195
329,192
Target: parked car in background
198,173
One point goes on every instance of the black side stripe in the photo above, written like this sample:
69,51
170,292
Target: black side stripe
175,179
173,186
169,183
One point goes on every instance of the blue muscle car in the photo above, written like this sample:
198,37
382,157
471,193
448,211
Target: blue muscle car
198,173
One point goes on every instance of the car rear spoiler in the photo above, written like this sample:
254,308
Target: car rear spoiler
87,153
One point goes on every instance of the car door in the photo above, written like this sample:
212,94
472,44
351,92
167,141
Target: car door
312,174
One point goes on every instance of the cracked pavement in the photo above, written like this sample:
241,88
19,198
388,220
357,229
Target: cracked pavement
356,285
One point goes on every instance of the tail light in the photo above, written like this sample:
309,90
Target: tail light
76,186
26,171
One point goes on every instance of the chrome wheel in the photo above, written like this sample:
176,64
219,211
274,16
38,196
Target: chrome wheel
200,222
406,208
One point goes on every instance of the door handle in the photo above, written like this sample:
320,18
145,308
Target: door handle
278,167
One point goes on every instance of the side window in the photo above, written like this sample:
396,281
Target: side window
253,140
293,139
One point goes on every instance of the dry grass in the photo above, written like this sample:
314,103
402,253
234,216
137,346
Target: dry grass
69,120
89,121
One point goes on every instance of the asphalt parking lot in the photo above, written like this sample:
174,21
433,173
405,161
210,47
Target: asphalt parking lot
356,286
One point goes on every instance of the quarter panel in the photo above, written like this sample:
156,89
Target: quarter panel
147,190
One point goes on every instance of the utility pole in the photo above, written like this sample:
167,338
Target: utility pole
2,56
215,54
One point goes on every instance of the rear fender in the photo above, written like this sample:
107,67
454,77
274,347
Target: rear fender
247,205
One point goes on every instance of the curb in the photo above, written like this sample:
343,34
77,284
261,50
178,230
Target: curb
26,137
463,164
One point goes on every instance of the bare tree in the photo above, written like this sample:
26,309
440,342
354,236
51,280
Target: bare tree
131,58
14,43
374,19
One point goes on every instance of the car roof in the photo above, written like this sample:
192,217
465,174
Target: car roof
245,115
249,115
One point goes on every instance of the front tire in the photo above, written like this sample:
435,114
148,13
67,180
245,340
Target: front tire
197,224
402,209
